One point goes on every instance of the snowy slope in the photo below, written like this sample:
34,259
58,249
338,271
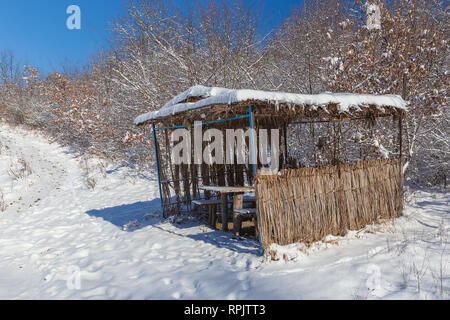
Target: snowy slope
57,230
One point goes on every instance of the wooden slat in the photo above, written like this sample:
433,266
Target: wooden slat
227,189
206,202
245,211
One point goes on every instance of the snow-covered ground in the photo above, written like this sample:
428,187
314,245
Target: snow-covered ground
76,229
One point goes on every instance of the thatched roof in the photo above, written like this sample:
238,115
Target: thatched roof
209,103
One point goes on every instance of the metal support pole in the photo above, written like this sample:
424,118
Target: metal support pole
400,143
252,146
285,146
400,135
252,140
155,146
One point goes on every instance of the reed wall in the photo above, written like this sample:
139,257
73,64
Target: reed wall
305,205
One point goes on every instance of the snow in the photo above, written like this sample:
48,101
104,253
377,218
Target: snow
61,239
219,96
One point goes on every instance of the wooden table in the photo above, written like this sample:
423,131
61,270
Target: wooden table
224,192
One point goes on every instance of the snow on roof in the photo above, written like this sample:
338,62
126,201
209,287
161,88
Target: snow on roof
219,96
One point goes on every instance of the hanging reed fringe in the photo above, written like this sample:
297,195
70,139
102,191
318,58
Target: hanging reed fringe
305,205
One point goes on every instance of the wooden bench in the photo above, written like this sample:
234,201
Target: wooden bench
224,191
243,211
212,207
204,202
243,214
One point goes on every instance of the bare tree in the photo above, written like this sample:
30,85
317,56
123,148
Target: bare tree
407,55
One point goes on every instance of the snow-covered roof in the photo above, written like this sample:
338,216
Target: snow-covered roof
209,96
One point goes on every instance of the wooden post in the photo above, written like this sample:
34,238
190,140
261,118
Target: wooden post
212,210
257,226
238,202
224,209
214,216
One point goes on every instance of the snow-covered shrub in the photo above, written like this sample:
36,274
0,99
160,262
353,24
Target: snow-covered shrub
20,169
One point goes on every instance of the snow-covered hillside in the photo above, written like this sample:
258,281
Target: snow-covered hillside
79,229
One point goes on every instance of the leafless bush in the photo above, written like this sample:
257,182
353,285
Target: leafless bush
3,205
91,182
439,273
92,169
20,169
405,270
419,269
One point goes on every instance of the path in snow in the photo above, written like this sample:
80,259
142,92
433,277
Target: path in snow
59,227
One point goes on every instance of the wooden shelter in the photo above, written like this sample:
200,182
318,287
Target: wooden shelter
340,158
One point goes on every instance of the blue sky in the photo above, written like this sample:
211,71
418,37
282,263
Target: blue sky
35,30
